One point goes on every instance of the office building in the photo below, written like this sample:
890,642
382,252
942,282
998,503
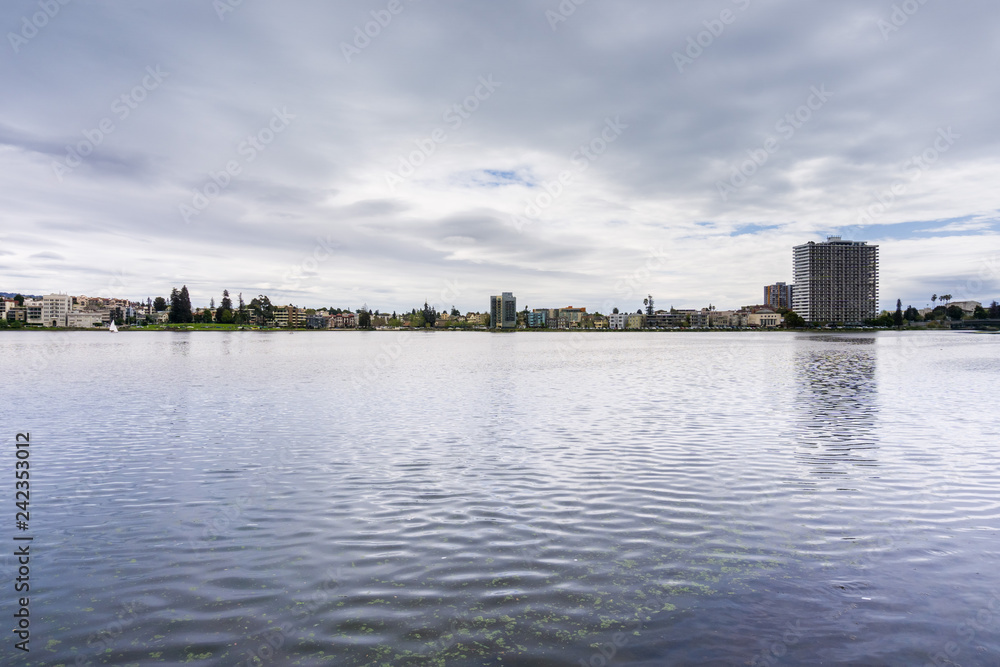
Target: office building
503,311
835,281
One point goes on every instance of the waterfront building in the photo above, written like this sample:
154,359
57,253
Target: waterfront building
537,319
83,320
617,321
33,311
764,318
835,281
778,295
503,311
572,315
343,321
635,321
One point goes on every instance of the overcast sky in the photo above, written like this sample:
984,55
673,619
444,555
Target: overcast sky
391,151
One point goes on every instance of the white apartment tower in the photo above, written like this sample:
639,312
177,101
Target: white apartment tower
835,281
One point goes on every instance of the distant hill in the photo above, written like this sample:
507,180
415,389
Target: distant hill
11,295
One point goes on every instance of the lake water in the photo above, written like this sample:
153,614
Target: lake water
526,499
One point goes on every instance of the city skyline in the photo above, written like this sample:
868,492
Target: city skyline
576,154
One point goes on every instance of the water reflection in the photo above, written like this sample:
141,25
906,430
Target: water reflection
837,406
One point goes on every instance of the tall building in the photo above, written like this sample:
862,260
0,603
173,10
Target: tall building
835,281
778,295
503,311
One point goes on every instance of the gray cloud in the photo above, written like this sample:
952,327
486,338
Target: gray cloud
319,186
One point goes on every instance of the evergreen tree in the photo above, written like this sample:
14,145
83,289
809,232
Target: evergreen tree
19,300
897,317
365,320
185,301
159,304
211,303
912,314
175,306
226,305
980,313
994,310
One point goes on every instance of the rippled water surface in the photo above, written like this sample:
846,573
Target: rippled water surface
526,499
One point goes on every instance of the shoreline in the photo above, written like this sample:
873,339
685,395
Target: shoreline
986,329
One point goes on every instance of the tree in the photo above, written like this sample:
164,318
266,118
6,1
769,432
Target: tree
912,314
980,313
240,316
793,320
211,303
945,297
430,315
224,306
159,304
954,312
227,316
365,320
615,311
261,310
175,304
883,320
933,298
455,313
185,315
994,310
897,317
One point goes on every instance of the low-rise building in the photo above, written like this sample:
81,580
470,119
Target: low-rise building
33,310
635,321
318,321
83,320
617,321
764,318
343,321
537,319
968,307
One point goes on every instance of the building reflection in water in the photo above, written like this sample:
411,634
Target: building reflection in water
837,406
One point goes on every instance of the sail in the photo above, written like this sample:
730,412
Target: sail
113,328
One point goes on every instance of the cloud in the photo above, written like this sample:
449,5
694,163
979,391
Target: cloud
744,112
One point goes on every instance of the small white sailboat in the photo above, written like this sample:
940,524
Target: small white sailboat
113,328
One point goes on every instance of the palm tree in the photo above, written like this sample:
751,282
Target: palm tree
933,298
946,298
